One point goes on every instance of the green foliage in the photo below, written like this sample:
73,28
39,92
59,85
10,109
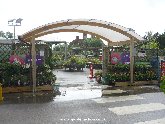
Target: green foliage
7,35
48,60
98,73
75,62
89,46
94,60
162,86
121,73
12,73
151,41
2,34
18,75
154,41
45,75
93,42
161,40
57,60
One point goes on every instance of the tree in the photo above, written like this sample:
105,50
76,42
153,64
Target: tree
93,42
2,34
161,40
151,40
93,45
7,35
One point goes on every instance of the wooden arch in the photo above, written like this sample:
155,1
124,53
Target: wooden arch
55,28
74,26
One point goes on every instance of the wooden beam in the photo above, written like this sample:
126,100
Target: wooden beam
132,61
120,43
67,30
47,27
33,52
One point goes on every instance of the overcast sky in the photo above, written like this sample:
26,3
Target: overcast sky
140,15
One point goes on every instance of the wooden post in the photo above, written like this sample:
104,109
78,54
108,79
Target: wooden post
103,64
1,98
105,58
132,61
33,52
65,51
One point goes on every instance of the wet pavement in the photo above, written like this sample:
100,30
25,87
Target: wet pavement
72,86
74,78
76,86
82,101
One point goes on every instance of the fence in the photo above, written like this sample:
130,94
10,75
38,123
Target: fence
15,64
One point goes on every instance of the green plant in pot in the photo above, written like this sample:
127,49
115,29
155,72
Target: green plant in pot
110,79
162,84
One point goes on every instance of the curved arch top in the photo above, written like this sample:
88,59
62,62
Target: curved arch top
106,30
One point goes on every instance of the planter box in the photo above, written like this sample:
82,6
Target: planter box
121,84
45,88
136,83
26,89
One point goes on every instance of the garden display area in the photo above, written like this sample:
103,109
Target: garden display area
16,70
146,69
16,78
120,73
75,63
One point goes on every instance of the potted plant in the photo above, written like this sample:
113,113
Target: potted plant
162,84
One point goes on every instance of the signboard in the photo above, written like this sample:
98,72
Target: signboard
16,59
115,58
41,53
39,59
123,57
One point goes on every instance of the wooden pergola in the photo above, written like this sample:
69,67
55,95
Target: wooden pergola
114,34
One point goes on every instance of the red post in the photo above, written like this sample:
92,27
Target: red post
91,71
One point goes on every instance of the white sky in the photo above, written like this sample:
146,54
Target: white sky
140,15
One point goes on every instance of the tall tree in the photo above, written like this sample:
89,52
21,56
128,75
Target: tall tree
93,42
9,35
151,40
161,40
2,34
6,35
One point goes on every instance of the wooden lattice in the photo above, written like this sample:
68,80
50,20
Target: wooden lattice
5,52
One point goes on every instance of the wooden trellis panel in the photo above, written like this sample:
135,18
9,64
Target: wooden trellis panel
5,52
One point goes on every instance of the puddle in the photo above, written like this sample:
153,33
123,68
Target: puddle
77,93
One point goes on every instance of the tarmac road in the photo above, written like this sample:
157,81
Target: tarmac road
145,107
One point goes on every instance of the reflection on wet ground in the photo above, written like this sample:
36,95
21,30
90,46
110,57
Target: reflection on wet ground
76,86
77,95
87,91
68,93
72,86
23,98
